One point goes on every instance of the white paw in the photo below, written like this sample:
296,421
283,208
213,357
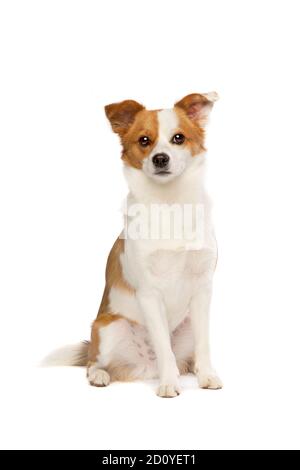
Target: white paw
168,391
209,380
97,377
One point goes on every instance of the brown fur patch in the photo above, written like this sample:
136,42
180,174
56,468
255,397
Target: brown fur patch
107,318
94,344
121,372
145,124
185,366
194,134
131,121
114,275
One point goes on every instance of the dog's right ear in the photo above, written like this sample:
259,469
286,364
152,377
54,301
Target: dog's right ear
121,115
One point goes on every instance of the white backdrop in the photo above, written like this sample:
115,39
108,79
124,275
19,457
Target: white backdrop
61,189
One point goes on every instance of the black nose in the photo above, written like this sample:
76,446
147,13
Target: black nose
160,160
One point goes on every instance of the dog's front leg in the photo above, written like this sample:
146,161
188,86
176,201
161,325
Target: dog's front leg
154,312
200,305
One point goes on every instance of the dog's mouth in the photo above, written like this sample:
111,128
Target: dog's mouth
163,172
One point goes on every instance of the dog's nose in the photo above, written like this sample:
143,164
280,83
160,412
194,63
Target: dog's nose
160,160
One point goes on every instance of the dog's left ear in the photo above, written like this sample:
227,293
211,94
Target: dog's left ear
198,106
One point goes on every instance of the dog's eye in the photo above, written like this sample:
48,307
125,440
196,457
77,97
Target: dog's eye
144,141
178,139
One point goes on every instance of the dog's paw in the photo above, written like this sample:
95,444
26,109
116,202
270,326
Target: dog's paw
209,380
168,391
97,377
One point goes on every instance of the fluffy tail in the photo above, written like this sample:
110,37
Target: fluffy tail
73,355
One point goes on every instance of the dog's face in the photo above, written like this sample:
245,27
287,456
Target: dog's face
161,143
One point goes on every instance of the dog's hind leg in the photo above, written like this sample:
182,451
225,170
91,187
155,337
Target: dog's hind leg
119,350
96,373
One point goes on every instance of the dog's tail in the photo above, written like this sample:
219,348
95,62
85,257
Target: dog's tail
72,355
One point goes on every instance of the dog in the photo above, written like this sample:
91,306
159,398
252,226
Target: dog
153,320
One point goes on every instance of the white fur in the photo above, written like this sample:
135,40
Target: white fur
211,96
129,345
75,354
199,309
98,377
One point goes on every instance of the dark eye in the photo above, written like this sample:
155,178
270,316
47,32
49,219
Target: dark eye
144,141
178,139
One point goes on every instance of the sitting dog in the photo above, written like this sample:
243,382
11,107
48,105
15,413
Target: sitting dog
154,314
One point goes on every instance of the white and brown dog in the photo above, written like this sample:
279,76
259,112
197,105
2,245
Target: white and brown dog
154,314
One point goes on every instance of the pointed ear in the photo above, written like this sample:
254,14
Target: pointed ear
198,107
121,115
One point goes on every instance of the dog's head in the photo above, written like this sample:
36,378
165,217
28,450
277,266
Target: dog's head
161,143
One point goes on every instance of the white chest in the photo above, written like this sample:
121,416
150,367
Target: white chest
175,275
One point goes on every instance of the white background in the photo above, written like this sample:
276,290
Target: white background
61,189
